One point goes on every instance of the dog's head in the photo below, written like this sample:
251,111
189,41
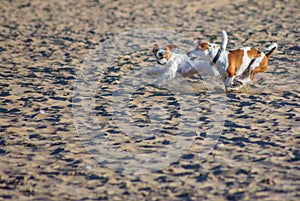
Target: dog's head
203,51
163,54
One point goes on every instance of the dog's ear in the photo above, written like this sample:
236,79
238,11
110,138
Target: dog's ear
172,47
203,46
155,48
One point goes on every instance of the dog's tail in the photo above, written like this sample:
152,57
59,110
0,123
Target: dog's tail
224,40
271,49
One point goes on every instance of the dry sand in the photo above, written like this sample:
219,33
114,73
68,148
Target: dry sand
43,44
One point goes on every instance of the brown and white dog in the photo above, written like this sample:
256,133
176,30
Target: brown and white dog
176,64
245,62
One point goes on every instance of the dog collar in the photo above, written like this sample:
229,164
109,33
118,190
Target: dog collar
214,61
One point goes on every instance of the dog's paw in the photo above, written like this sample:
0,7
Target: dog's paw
158,84
229,89
243,81
237,82
234,88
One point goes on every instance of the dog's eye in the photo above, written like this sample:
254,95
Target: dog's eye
160,54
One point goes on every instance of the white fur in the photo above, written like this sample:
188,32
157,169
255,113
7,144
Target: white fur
181,65
212,52
222,62
224,40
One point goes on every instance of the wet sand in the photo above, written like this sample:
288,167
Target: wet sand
43,45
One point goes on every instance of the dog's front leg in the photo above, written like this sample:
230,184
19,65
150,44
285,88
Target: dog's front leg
156,71
165,77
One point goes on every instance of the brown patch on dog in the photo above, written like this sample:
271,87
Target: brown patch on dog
253,52
235,60
202,46
167,53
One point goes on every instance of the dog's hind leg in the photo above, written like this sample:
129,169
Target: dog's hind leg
245,77
259,69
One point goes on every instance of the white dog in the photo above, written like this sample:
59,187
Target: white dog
177,64
244,62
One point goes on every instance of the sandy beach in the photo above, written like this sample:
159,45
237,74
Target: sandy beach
49,150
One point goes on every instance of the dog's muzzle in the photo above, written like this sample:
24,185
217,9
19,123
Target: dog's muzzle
161,61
